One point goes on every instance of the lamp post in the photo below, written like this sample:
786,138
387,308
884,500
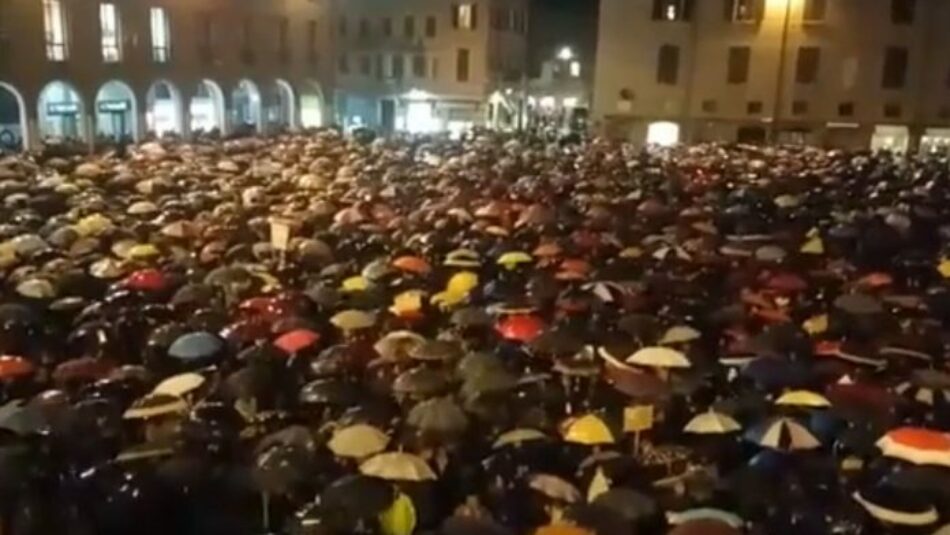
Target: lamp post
780,77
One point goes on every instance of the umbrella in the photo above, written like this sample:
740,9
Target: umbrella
783,434
659,357
894,506
357,441
329,391
917,445
149,280
155,405
22,419
472,525
858,304
180,385
513,259
438,415
630,504
12,367
563,529
926,386
195,346
679,334
704,514
412,264
705,526
463,258
436,351
397,345
296,340
470,317
588,430
712,423
520,328
351,320
358,495
421,381
397,466
518,437
803,398
36,288
554,487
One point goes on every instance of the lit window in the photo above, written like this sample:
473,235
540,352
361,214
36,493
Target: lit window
54,22
745,10
670,10
161,40
575,69
109,27
464,16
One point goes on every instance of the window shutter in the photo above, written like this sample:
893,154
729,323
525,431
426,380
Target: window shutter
657,9
455,15
688,9
728,9
474,16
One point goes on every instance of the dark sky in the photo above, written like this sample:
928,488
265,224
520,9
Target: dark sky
555,23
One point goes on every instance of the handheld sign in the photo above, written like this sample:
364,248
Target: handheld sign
280,233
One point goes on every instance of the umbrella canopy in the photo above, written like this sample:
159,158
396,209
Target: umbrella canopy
783,434
12,367
195,346
712,423
297,340
438,415
554,487
358,441
520,328
926,386
352,320
917,445
679,334
397,466
897,507
630,504
358,495
589,430
518,437
180,385
803,398
397,345
156,405
659,357
704,526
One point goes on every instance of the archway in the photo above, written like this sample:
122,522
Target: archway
116,113
246,107
282,111
163,109
663,133
14,130
311,105
60,112
207,109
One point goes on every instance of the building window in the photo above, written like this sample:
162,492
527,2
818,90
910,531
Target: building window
806,68
364,28
710,106
892,111
312,41
903,11
430,27
799,107
814,10
343,64
54,23
738,68
434,71
753,107
575,69
461,65
409,27
419,66
283,39
161,38
341,27
743,10
387,27
398,66
672,10
465,16
110,30
379,66
895,67
846,109
205,39
668,65
366,67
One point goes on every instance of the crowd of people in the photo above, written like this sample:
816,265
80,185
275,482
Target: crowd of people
321,334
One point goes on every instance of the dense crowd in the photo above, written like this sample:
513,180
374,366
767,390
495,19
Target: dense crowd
324,334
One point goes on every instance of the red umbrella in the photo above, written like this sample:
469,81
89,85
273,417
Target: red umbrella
521,328
246,331
786,283
917,445
150,280
296,340
12,367
269,309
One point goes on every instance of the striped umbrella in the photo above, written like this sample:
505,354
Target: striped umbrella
783,434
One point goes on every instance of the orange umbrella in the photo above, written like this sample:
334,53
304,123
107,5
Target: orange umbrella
296,340
412,264
12,367
563,529
917,445
520,328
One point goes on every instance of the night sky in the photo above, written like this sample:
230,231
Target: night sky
555,23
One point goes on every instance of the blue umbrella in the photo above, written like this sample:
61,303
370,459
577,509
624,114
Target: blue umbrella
194,346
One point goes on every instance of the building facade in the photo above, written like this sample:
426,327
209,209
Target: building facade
842,73
109,69
429,65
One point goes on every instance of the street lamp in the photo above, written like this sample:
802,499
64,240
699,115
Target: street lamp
565,54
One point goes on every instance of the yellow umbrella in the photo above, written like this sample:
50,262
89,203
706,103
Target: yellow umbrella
803,398
631,252
816,324
179,385
462,283
712,423
408,302
679,334
398,466
589,430
358,441
93,225
355,284
351,320
659,357
155,405
465,258
143,251
517,437
814,246
513,259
